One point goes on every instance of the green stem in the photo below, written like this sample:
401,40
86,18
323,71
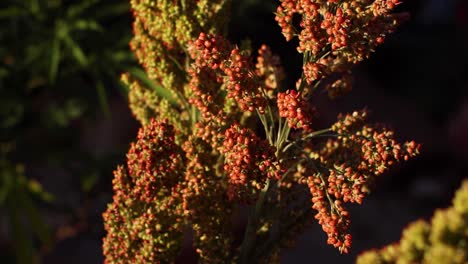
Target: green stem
251,229
311,135
282,137
272,242
280,128
268,132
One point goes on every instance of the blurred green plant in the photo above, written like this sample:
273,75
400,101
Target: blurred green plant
59,62
442,240
17,195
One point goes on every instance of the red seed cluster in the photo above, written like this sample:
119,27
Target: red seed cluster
209,50
346,184
376,146
241,82
154,160
204,91
322,23
336,25
333,218
314,71
295,109
347,163
383,7
249,161
358,153
144,222
335,35
215,54
333,23
269,68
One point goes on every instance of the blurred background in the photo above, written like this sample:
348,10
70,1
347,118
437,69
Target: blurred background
65,123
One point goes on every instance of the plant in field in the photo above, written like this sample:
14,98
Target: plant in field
442,240
199,155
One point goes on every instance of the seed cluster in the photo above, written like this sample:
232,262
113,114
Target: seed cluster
377,145
348,162
249,161
352,26
336,34
335,223
295,109
232,67
206,204
314,71
144,222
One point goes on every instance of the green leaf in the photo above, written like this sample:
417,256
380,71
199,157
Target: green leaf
160,91
62,115
76,10
39,227
11,113
23,244
88,182
56,115
122,55
102,96
34,7
54,60
76,51
86,24
74,109
34,53
6,180
123,89
113,10
36,188
12,12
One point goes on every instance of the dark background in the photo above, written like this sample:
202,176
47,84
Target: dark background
75,129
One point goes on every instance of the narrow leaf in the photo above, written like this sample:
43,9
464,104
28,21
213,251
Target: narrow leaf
11,12
78,9
102,96
86,24
77,52
54,60
23,244
39,227
160,91
36,188
113,10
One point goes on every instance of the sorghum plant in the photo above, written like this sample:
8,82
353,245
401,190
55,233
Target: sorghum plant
443,240
199,155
